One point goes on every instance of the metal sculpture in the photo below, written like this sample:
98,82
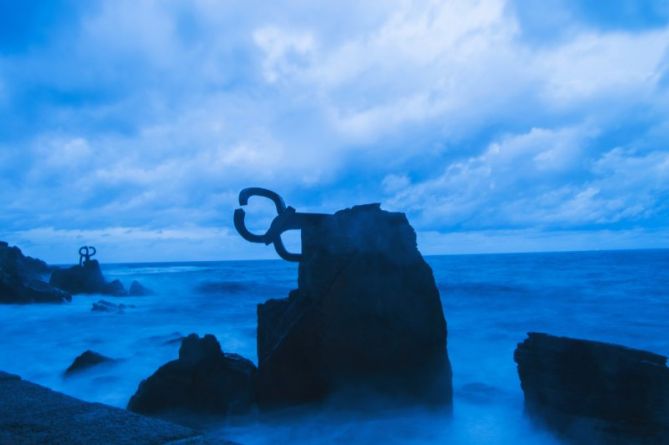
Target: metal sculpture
85,254
286,219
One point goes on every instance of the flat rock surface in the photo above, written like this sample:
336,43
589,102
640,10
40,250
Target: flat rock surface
33,414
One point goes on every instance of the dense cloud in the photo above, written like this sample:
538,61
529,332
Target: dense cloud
496,125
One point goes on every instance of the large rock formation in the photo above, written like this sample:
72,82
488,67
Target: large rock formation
595,392
366,313
86,279
202,380
21,279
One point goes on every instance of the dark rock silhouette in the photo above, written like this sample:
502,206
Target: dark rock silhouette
203,380
136,289
366,312
221,287
86,279
21,279
592,392
107,306
85,361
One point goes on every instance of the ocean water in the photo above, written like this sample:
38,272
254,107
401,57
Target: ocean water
490,303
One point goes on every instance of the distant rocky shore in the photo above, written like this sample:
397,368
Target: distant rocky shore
24,279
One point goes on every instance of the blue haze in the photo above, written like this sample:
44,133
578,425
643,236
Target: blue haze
490,302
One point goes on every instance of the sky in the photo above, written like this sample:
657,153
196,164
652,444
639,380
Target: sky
496,125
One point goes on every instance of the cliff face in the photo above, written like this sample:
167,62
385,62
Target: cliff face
366,312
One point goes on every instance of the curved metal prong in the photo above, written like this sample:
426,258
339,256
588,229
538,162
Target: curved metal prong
283,252
240,225
286,219
92,253
247,193
83,254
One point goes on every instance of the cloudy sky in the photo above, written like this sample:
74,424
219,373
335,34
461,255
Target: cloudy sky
496,125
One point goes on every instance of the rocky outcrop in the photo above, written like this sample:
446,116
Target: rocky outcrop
107,306
136,289
366,312
586,389
21,279
204,380
86,279
85,361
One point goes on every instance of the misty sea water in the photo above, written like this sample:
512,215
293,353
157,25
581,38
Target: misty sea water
490,303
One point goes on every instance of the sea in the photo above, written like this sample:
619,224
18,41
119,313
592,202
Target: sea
490,303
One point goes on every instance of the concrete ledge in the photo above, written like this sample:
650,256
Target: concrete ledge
32,414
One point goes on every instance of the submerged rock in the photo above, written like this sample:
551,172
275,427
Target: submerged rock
203,380
366,312
21,279
138,290
594,392
86,279
85,361
220,287
106,306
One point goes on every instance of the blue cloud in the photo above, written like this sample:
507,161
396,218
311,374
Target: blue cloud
136,123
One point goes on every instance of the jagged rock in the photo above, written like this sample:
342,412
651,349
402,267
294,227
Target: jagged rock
138,290
85,361
203,380
114,288
106,306
594,392
86,279
21,279
367,311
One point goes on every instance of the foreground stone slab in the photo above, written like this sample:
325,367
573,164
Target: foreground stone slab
32,414
595,392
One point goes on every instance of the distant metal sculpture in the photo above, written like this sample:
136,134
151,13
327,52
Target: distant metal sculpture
287,219
85,254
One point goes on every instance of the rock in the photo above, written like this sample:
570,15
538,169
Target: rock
106,306
114,288
137,290
204,380
85,361
595,392
366,312
21,279
85,279
34,415
220,287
